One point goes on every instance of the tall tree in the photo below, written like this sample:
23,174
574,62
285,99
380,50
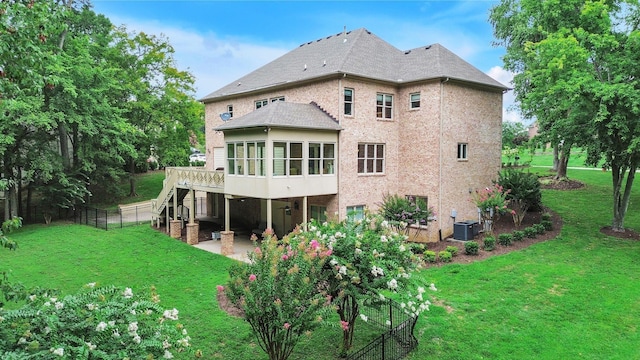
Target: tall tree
157,101
578,75
25,27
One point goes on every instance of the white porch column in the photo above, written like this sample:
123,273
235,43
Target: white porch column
269,214
305,216
192,206
227,222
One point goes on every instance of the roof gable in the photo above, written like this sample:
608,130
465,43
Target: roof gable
359,53
284,115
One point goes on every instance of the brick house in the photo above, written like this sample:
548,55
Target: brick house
333,125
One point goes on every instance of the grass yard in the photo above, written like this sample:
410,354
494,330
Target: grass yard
575,297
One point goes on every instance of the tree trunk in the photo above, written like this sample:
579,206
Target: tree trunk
556,159
348,311
63,136
132,178
561,171
621,196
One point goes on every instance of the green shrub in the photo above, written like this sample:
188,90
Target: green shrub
548,225
471,248
530,232
417,249
489,243
453,250
104,320
429,256
444,256
518,235
539,228
545,216
505,239
523,186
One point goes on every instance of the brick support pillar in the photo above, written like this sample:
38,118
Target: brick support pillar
176,231
227,243
192,233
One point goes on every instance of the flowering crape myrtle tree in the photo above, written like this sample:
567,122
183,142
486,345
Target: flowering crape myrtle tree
95,323
368,261
491,202
280,291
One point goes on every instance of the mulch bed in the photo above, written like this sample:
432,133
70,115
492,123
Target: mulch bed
501,226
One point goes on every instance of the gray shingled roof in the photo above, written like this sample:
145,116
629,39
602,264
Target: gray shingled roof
284,115
359,53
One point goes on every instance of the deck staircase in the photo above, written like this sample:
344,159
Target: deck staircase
183,180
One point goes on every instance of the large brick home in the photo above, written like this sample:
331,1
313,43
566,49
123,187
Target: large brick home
338,122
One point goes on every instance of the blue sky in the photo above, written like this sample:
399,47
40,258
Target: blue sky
220,41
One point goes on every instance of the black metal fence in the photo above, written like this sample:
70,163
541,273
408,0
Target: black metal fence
398,339
112,219
128,215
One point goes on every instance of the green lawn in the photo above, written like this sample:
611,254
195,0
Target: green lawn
575,297
545,158
148,186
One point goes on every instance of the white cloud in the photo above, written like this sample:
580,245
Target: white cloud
214,61
508,100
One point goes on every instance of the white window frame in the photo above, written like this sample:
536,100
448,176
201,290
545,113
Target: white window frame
383,109
256,159
350,103
318,212
239,164
230,110
287,162
326,163
368,161
356,212
279,98
260,103
463,150
414,104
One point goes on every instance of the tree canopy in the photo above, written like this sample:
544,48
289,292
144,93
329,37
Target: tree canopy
576,74
82,102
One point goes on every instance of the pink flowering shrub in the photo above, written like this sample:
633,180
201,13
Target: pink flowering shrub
492,202
280,293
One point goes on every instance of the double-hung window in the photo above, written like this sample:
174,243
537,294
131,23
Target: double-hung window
287,158
230,110
370,158
414,101
384,106
319,213
279,98
355,212
348,101
462,151
235,158
246,158
256,158
321,158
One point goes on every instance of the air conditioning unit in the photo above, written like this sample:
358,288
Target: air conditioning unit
465,230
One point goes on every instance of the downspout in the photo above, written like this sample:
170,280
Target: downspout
440,177
340,118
